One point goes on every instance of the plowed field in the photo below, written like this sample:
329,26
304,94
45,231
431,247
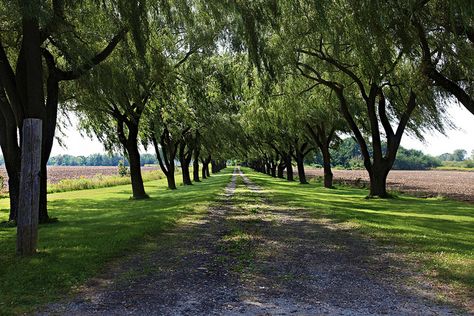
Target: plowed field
58,173
454,184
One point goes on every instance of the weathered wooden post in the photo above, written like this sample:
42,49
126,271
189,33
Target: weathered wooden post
27,222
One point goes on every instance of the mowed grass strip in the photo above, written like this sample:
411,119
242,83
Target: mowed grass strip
437,233
95,226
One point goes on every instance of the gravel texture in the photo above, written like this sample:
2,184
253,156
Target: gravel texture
250,257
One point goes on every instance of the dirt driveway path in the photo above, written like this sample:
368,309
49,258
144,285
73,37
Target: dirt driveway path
249,257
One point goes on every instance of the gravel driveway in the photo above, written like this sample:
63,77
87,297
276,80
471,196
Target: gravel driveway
250,257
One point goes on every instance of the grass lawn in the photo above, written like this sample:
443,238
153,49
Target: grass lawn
95,226
437,233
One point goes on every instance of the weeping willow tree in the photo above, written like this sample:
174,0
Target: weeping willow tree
314,115
111,100
438,36
374,77
42,44
66,49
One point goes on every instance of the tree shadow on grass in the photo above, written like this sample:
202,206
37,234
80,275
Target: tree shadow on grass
289,261
440,233
95,226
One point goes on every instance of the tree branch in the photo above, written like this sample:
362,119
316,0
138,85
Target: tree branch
411,104
321,55
429,69
8,82
97,59
383,115
188,54
58,17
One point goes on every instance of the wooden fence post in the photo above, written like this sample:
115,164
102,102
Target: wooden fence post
28,207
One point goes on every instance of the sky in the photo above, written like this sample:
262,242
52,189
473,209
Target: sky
435,144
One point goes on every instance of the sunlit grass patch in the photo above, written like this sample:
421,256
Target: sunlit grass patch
436,232
95,227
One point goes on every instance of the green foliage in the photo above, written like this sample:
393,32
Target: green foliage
97,160
346,151
412,159
95,228
457,165
356,163
347,154
457,155
457,160
122,169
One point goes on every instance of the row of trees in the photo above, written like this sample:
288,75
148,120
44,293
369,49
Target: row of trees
336,67
173,76
135,72
345,153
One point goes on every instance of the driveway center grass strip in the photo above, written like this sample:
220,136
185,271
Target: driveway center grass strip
95,226
439,234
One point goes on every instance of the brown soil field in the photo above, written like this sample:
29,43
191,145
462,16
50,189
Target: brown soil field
58,173
458,185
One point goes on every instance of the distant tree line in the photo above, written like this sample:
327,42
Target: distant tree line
94,160
347,155
97,160
457,159
457,155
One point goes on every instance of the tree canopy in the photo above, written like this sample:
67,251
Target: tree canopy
267,82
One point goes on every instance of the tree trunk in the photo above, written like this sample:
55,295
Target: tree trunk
27,221
203,170
328,176
323,140
378,184
281,169
14,193
43,215
185,160
301,173
11,152
49,128
196,165
12,157
273,169
378,179
138,188
196,171
289,169
205,167
185,171
170,176
168,151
